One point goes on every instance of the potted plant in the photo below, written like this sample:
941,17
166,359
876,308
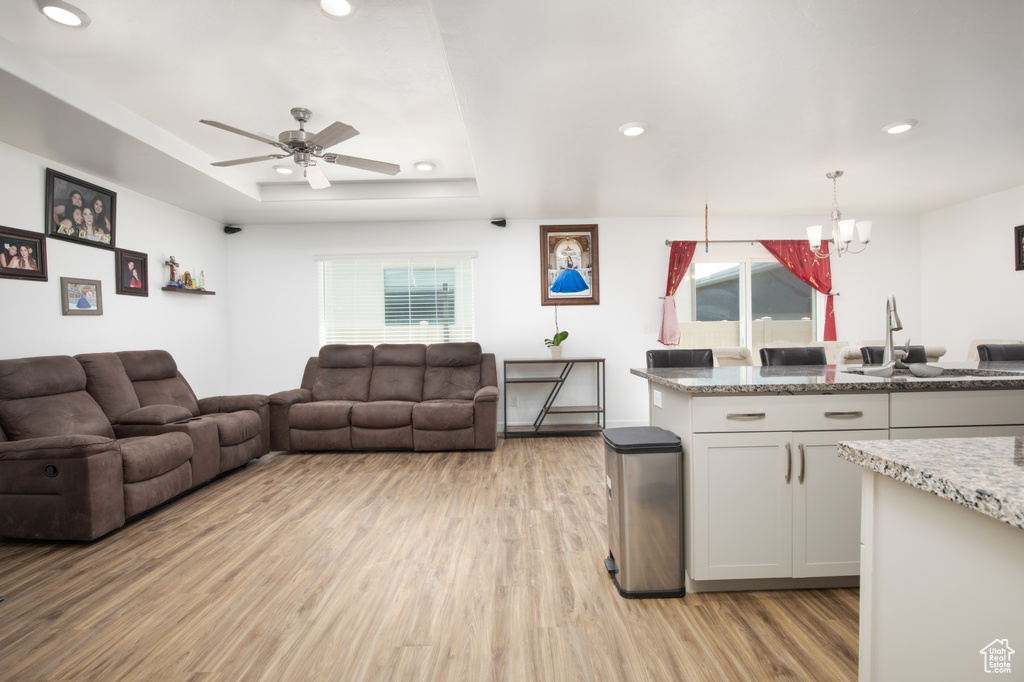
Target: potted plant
555,342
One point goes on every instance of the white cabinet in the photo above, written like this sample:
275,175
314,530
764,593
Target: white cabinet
774,505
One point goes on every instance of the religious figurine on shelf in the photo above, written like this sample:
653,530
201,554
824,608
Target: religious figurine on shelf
202,280
174,282
186,280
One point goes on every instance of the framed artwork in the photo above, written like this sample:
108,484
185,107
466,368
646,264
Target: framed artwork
81,296
78,211
1018,246
23,255
131,272
568,265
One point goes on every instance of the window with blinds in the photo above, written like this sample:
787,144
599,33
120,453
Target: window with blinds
389,299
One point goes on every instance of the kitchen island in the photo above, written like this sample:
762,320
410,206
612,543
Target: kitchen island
942,558
768,504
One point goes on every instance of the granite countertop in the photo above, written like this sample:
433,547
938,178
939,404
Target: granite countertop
983,474
831,379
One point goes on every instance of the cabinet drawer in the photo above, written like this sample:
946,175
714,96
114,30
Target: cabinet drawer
957,408
716,414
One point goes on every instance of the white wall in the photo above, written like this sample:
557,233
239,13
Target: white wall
972,290
273,318
192,328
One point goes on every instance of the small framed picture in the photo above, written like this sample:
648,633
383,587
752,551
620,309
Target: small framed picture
23,255
131,272
1018,246
81,296
568,265
78,211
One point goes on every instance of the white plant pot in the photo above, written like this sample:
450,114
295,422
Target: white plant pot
556,352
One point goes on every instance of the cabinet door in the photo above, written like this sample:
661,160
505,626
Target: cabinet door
743,506
826,504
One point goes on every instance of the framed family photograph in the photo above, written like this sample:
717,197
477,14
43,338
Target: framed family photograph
81,296
23,255
568,265
1018,246
131,272
78,211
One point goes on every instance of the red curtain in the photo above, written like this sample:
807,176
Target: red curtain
798,258
678,263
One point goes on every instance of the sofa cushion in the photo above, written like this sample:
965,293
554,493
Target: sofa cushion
344,373
443,415
147,457
326,414
382,414
235,427
40,376
398,372
45,396
108,384
453,371
156,379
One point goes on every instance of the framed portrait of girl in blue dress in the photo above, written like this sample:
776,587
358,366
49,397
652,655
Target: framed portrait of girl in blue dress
568,265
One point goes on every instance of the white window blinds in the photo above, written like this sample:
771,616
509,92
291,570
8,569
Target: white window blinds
396,299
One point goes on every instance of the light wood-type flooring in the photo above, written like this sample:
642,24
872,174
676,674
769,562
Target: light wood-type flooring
393,566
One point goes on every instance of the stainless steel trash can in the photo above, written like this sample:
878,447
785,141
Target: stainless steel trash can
643,466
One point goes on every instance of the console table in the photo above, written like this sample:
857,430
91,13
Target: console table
529,371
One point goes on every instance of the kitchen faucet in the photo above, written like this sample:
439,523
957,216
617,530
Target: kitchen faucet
892,324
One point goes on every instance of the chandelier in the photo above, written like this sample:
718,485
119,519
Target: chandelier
842,229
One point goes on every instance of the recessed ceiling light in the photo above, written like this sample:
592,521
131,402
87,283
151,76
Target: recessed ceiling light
425,166
284,170
899,126
338,9
63,13
632,129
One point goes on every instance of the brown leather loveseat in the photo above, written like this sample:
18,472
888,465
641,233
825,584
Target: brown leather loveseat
442,396
87,443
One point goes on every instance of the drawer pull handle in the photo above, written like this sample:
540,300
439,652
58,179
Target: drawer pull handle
853,414
789,462
745,415
800,476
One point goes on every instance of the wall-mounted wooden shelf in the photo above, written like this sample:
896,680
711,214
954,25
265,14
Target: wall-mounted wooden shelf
180,290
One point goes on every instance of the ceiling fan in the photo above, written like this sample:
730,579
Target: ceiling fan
305,148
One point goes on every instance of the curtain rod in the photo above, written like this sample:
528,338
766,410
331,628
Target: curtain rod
668,242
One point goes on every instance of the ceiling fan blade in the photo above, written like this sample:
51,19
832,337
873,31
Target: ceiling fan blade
364,164
236,131
251,159
316,178
333,134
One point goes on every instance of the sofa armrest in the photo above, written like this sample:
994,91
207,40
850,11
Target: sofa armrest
486,394
280,425
56,447
295,395
232,403
156,415
61,487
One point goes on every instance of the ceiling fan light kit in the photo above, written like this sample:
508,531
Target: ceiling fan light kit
842,228
307,148
63,13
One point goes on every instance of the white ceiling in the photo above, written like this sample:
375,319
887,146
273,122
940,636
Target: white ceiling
748,103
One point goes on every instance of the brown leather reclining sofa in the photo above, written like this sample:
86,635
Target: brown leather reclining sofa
88,442
393,396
